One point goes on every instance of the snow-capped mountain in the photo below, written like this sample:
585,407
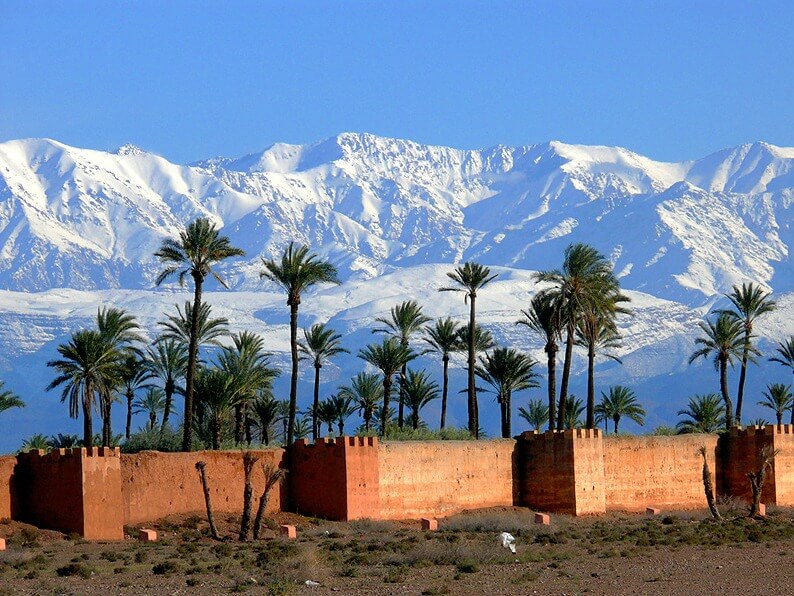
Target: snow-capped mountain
387,211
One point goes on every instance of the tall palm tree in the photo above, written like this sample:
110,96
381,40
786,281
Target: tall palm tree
749,302
621,401
199,247
321,344
420,390
247,362
724,340
585,282
470,278
596,331
785,350
778,398
151,404
297,271
389,358
209,329
9,399
167,361
507,370
366,391
443,339
544,317
134,376
703,414
406,320
536,413
88,367
573,415
216,389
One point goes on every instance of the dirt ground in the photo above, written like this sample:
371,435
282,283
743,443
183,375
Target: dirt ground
674,553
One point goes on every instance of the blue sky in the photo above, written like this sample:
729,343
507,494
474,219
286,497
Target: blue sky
673,80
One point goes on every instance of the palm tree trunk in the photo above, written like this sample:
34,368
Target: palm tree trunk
238,424
508,415
474,424
616,420
566,373
128,430
386,395
779,419
729,420
742,378
590,422
316,404
249,459
201,467
215,426
192,358
444,391
551,352
169,396
152,420
248,425
88,427
106,423
293,384
401,407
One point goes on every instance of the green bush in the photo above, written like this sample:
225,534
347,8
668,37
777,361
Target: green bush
153,440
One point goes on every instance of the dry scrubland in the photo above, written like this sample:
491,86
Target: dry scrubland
671,553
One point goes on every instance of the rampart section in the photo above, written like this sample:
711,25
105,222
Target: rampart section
155,484
439,478
665,472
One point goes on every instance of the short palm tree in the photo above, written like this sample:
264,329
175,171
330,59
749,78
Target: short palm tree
470,278
36,442
199,248
167,361
420,390
343,406
9,399
297,271
749,303
620,401
544,318
586,283
703,414
152,404
536,413
389,358
406,320
366,391
88,367
321,343
573,415
302,428
778,398
216,390
326,414
785,351
507,370
134,376
209,329
725,341
442,338
266,410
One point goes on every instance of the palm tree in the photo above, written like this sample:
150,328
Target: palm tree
406,320
596,331
778,398
443,339
198,249
134,376
266,410
343,406
366,391
35,443
297,271
216,390
247,362
321,343
209,329
151,404
785,350
506,370
470,279
621,401
326,413
725,340
389,358
586,283
536,413
302,428
420,390
750,302
704,414
573,415
544,318
88,366
9,399
483,340
167,361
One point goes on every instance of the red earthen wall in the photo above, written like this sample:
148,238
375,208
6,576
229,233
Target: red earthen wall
155,485
650,471
443,477
739,452
784,467
7,465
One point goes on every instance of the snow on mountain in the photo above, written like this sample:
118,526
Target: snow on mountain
80,227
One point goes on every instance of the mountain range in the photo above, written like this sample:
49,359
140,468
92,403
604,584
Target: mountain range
79,227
